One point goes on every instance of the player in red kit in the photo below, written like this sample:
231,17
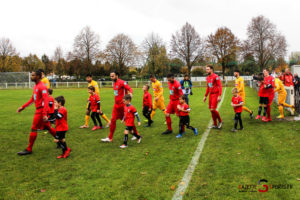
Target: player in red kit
120,89
94,106
214,89
40,119
61,126
147,104
129,114
184,110
237,104
175,93
268,90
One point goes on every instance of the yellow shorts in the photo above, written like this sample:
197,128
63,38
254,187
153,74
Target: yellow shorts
281,98
160,104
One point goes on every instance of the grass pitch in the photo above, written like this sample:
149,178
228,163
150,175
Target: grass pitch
148,170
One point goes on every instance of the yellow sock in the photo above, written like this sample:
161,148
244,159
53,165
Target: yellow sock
87,119
105,118
247,109
287,105
152,114
280,108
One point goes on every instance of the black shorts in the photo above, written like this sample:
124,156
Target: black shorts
264,100
184,120
129,128
60,135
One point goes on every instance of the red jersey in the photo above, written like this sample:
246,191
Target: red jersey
287,79
147,99
268,81
260,92
175,90
130,113
185,107
40,98
61,121
94,100
214,85
120,89
237,100
51,104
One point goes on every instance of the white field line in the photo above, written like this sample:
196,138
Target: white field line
184,183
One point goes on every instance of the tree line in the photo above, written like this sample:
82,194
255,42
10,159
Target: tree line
264,47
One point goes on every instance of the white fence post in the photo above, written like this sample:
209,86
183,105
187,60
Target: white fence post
78,84
136,83
6,85
56,85
100,84
16,85
67,84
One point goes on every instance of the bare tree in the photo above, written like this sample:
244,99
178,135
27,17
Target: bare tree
86,46
7,48
187,45
264,41
153,49
58,54
223,45
121,51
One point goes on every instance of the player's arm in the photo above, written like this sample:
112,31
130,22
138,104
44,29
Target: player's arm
219,84
128,88
161,90
179,90
98,104
150,101
137,117
31,100
46,104
186,109
206,93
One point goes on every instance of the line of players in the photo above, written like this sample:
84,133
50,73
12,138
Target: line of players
125,111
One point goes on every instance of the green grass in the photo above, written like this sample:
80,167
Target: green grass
145,171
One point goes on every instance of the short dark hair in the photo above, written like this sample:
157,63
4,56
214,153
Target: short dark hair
116,73
183,97
127,97
89,75
91,88
266,69
147,86
186,75
170,75
61,100
41,70
237,70
152,76
210,66
50,91
38,73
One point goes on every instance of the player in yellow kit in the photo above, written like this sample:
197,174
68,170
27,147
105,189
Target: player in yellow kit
93,83
45,80
240,85
158,92
279,88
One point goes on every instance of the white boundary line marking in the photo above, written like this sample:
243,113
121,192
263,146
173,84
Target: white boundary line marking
184,183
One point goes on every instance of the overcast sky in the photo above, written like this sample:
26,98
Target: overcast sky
39,26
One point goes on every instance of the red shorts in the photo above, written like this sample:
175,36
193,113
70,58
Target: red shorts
38,122
118,112
271,97
213,101
172,107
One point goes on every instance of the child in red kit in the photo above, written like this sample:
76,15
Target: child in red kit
61,126
237,104
130,113
184,110
147,104
94,106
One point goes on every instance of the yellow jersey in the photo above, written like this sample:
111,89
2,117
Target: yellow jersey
239,84
95,85
46,82
157,89
279,87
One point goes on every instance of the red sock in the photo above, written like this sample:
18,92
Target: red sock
213,115
169,123
52,131
134,129
218,116
32,138
112,128
269,111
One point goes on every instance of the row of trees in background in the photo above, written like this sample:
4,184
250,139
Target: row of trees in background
264,47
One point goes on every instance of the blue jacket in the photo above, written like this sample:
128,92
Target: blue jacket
182,83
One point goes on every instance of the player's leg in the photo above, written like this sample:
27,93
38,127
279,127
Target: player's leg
136,134
214,105
260,108
93,115
104,117
187,124
240,121
99,121
170,110
154,107
187,99
181,125
270,100
87,118
126,131
118,113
